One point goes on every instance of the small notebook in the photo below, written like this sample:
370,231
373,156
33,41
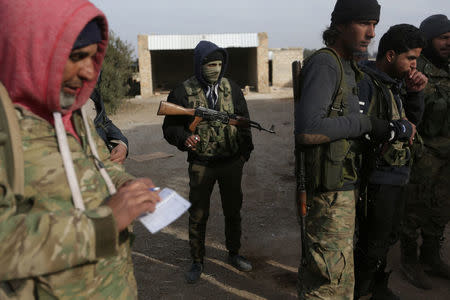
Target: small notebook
170,208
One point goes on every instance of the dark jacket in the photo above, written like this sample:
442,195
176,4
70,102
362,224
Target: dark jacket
104,126
176,128
412,102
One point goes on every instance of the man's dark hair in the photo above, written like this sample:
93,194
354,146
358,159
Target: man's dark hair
330,35
400,38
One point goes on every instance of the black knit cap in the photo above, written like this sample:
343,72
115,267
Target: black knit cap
216,55
355,10
434,26
91,34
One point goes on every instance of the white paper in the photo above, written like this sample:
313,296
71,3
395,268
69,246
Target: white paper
170,208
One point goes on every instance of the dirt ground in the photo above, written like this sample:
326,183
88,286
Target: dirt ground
271,235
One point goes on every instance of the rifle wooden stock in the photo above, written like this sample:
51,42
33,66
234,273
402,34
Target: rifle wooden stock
170,109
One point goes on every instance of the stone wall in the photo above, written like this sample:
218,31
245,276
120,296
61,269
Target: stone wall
262,61
282,65
145,66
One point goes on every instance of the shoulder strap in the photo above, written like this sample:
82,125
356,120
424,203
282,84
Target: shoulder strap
11,143
337,106
225,84
192,86
388,97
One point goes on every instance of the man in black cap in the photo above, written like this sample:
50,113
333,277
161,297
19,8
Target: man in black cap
216,152
327,120
428,201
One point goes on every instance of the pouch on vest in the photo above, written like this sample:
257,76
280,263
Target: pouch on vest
397,155
333,174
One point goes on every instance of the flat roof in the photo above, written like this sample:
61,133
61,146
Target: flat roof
185,42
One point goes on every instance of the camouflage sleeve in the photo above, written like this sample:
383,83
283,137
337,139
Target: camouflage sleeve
38,242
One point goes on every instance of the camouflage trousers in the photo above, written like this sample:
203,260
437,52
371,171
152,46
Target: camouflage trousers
428,198
202,181
330,226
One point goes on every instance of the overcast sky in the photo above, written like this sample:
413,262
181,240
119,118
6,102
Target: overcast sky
289,23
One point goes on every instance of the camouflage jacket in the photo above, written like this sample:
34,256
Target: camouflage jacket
48,249
435,126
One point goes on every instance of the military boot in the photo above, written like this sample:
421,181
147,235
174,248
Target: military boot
430,257
381,291
410,266
194,273
240,262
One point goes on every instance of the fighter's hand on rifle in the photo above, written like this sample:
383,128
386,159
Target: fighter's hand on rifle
192,141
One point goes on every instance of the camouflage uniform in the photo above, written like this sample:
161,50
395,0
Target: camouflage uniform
330,228
428,203
48,248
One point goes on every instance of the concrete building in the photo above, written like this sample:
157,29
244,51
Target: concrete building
167,60
280,65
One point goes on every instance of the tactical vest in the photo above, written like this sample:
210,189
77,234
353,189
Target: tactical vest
436,118
216,138
384,107
328,166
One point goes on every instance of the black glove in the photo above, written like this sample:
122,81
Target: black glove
402,129
381,131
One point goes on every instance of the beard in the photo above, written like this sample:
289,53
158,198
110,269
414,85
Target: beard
65,100
360,55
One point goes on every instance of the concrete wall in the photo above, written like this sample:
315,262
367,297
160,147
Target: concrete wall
262,68
282,65
145,66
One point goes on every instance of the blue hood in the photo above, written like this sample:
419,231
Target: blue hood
203,49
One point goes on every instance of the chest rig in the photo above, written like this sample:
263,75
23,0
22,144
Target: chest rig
329,166
216,139
384,106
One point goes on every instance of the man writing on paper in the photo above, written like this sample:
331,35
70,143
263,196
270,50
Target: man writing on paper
66,236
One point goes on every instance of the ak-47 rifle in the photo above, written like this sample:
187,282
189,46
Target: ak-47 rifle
201,113
300,171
